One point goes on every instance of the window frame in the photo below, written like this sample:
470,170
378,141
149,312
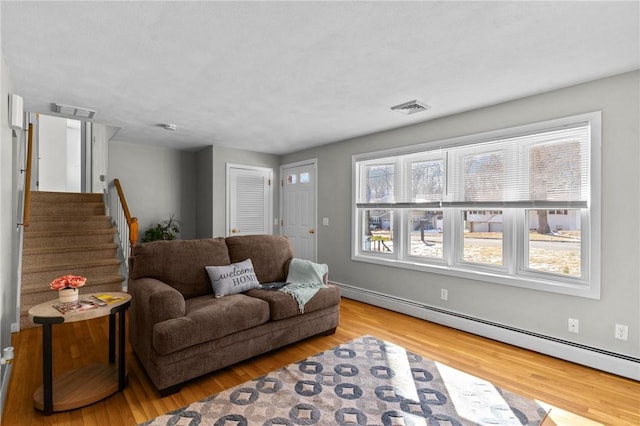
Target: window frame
514,271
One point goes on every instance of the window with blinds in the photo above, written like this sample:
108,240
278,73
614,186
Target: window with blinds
487,204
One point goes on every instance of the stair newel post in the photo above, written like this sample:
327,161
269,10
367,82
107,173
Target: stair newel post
132,222
133,234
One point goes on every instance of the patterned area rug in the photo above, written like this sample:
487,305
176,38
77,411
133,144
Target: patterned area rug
363,382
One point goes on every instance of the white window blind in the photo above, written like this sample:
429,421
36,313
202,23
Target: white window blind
540,170
548,169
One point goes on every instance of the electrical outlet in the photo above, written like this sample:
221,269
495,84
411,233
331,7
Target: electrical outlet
622,332
574,325
444,294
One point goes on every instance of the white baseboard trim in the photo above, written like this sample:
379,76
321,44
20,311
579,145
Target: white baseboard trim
611,362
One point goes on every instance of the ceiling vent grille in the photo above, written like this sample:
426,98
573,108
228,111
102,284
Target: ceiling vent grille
72,111
411,107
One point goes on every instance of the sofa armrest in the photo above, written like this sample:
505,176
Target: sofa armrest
158,301
152,301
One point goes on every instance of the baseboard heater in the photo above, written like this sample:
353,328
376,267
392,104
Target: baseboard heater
4,386
615,363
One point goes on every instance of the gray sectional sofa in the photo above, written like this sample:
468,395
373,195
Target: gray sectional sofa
177,328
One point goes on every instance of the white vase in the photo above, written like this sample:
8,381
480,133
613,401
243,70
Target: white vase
68,295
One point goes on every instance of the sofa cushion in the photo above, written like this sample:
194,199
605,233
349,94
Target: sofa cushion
270,254
282,305
180,263
207,319
232,279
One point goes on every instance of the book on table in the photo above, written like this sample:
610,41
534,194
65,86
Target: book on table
109,298
80,305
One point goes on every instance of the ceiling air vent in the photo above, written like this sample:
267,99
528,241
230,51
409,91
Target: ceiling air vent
72,111
411,107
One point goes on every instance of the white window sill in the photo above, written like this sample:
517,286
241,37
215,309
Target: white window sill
533,283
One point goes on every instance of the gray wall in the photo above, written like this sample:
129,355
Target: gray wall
8,236
212,163
160,181
542,312
204,187
157,183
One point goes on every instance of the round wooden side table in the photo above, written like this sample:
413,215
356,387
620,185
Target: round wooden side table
86,385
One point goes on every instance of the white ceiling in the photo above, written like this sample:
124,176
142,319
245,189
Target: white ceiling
278,77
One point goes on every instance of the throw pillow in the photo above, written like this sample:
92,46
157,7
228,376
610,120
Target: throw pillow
232,279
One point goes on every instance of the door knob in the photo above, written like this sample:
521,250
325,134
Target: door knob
234,230
312,231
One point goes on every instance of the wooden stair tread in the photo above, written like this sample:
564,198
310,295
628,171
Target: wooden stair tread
41,203
57,234
54,249
57,266
57,218
67,196
92,281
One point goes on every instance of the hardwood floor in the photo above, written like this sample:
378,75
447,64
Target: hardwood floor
579,395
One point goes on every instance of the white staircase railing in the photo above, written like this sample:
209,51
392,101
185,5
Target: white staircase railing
126,226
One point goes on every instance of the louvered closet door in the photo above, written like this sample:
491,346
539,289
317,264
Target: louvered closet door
249,200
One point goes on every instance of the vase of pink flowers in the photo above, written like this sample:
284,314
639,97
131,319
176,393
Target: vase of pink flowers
67,287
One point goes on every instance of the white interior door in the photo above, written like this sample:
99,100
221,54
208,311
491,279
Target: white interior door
59,154
249,202
298,212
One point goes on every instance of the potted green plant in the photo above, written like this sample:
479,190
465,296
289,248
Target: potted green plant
166,230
